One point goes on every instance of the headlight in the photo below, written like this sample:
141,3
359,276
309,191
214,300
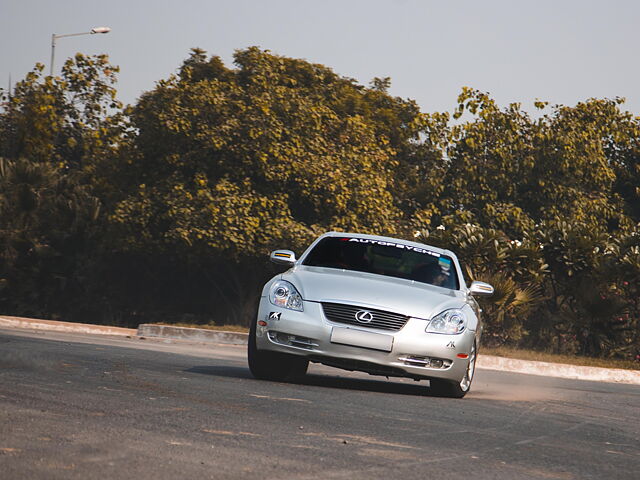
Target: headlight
283,294
449,322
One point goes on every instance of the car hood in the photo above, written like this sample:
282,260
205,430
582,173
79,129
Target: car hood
415,299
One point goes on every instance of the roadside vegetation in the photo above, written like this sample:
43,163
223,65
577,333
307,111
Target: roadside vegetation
166,210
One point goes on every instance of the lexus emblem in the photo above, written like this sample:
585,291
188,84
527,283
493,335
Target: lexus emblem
364,316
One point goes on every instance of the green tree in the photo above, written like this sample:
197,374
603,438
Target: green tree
515,268
491,159
48,228
54,132
167,209
230,163
66,121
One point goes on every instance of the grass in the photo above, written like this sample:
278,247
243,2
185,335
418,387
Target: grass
506,352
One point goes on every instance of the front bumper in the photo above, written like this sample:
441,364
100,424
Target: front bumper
408,352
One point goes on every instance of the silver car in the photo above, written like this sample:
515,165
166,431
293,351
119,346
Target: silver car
375,304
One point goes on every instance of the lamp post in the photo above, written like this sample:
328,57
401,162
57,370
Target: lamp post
54,37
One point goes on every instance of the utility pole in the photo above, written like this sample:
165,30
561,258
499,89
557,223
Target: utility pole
54,37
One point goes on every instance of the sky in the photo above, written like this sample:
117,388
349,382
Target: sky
560,51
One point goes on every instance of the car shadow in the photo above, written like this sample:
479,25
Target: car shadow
221,371
325,381
366,385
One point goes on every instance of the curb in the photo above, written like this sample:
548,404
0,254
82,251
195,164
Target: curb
195,334
485,362
559,370
56,326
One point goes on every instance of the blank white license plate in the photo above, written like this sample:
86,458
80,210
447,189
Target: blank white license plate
358,338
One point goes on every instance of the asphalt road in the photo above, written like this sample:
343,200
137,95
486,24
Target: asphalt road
80,406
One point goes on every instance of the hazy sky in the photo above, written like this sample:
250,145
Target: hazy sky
559,51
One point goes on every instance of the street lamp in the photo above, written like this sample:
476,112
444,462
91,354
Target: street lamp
54,37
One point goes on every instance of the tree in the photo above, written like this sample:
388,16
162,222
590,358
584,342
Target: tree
515,268
48,227
54,133
230,163
561,184
65,121
166,209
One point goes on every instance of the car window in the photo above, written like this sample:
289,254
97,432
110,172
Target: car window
384,258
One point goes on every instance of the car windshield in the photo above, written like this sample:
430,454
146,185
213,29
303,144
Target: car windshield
384,258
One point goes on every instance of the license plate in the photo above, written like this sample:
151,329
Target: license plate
359,338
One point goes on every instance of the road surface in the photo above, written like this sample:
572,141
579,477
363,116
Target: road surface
82,406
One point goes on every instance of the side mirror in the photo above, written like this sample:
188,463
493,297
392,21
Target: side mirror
480,288
283,257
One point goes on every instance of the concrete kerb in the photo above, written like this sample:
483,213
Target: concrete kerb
69,327
596,374
195,334
559,370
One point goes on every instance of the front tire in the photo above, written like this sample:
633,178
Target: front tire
453,389
266,365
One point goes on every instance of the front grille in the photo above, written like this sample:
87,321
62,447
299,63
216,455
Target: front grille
341,313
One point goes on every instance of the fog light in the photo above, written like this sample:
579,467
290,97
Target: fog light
292,340
425,362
